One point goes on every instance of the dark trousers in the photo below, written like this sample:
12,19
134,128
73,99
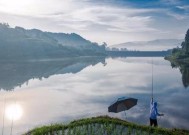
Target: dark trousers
153,122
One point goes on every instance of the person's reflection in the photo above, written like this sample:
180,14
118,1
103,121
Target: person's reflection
154,113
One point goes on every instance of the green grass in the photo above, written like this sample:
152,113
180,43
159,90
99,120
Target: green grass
103,125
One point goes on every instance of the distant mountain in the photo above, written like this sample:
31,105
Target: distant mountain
19,43
154,45
70,40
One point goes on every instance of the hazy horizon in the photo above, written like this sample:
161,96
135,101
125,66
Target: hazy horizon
113,21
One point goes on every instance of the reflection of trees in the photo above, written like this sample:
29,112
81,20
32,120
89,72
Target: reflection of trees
185,75
13,74
184,69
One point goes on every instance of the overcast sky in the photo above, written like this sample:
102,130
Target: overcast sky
111,21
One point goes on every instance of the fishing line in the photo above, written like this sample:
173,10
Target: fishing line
4,115
13,118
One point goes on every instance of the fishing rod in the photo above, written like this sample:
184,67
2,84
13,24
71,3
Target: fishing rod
152,80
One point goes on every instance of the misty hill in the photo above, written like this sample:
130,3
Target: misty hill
19,43
70,40
154,45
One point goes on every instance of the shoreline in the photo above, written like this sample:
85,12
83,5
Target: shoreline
173,59
103,125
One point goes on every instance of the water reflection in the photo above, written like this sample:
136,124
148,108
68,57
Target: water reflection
62,97
184,70
13,111
16,73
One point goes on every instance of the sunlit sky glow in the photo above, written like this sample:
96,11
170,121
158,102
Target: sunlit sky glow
112,21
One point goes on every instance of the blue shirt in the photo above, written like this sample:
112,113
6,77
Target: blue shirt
153,110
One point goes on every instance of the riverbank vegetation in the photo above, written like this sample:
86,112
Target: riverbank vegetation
179,58
181,53
103,125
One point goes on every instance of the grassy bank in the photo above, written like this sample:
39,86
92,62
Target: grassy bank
103,125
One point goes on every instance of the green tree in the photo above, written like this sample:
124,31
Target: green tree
187,37
183,46
186,43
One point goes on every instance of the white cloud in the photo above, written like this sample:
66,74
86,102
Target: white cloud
111,18
183,7
34,7
177,16
80,16
96,22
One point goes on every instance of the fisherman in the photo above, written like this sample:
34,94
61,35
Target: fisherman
154,113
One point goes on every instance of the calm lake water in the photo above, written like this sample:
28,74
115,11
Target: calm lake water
52,91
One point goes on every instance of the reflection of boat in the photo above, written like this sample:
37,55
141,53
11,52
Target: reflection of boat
14,74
